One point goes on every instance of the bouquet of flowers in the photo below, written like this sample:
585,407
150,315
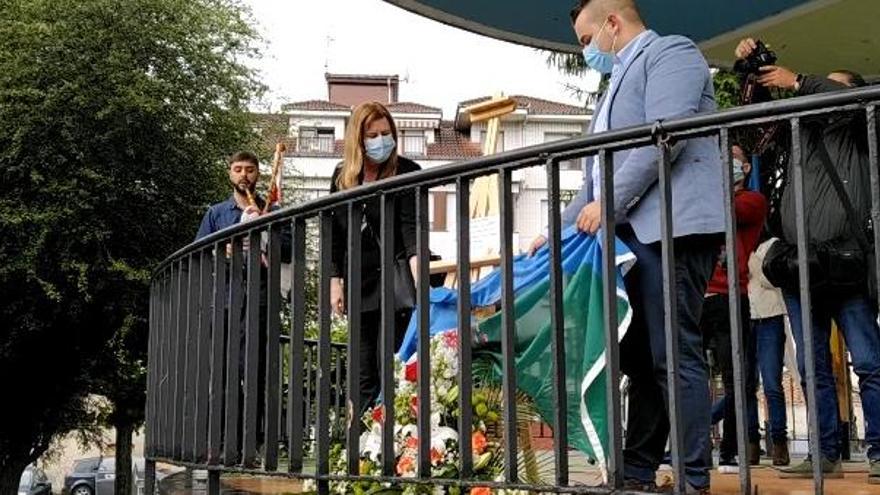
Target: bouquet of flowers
446,441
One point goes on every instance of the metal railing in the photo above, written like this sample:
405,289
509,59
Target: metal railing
204,399
318,144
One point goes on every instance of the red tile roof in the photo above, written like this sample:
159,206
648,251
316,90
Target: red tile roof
316,105
450,144
408,107
536,106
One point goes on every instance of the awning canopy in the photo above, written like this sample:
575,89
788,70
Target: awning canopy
813,36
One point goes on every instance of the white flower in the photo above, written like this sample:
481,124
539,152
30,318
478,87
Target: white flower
439,437
371,442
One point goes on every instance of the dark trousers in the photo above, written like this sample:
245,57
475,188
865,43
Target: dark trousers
715,324
643,357
371,352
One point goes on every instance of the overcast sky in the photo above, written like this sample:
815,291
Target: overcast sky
438,65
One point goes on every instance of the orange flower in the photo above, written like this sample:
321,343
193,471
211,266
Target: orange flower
412,442
405,465
435,456
481,490
478,442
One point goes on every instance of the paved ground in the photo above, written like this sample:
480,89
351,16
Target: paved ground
764,478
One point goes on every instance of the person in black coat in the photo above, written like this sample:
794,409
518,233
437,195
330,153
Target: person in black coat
370,155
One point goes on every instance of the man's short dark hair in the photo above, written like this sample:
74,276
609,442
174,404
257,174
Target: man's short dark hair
244,156
576,10
855,79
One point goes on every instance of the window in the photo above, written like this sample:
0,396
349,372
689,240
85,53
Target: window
573,164
499,147
86,465
318,139
413,142
108,465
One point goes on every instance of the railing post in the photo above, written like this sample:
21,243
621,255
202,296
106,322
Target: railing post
322,432
737,328
272,390
424,340
874,167
149,477
670,308
612,334
508,332
213,482
465,333
252,369
231,450
557,322
353,304
218,349
806,305
295,395
387,332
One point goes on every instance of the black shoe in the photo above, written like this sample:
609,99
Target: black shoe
635,485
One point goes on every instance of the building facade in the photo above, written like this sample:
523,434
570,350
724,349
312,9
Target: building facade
316,129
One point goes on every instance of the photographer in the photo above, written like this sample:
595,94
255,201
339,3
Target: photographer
837,186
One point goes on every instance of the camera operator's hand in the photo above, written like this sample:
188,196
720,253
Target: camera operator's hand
745,48
773,76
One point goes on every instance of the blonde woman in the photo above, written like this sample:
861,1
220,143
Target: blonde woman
371,155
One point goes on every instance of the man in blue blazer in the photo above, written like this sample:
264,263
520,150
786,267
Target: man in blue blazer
655,78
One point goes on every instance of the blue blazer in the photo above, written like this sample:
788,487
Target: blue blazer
667,79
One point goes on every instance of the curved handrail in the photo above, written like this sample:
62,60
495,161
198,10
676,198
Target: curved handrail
692,126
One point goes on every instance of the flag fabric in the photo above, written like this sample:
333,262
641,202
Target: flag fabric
584,333
755,174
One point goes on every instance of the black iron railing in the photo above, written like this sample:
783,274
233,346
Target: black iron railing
211,401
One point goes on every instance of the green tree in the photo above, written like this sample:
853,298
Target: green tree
115,116
727,89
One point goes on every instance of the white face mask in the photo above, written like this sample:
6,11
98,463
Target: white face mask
379,148
739,172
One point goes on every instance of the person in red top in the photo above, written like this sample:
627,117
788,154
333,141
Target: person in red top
750,209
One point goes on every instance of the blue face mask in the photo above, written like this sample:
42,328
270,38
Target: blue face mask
596,59
379,148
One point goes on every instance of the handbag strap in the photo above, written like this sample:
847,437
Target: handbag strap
837,183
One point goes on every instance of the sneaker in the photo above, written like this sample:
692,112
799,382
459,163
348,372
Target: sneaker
874,472
805,470
780,453
727,466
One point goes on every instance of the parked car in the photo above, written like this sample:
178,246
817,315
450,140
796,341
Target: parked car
97,476
34,482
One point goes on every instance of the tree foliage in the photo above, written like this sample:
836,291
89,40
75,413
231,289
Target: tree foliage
115,117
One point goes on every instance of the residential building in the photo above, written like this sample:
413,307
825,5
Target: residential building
316,129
